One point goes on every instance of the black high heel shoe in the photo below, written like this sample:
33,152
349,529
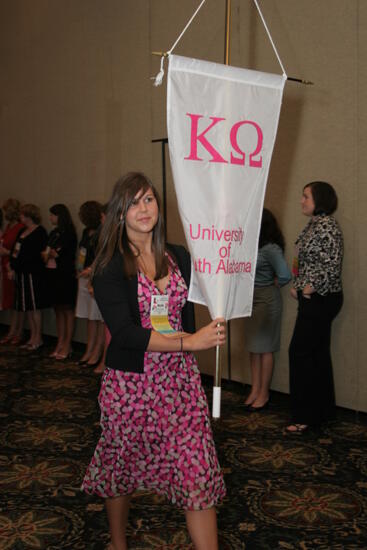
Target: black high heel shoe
35,347
258,409
63,356
82,361
86,364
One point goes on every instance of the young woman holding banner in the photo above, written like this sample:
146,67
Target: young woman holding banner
156,432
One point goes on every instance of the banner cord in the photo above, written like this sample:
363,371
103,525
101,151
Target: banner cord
270,38
159,78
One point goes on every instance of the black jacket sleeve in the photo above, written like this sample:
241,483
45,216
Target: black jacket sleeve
116,297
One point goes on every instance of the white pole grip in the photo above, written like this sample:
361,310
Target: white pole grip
216,401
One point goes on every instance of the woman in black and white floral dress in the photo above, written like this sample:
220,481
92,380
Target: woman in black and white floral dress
317,286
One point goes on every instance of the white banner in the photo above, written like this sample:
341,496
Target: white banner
222,124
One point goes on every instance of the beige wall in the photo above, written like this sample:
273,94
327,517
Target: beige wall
77,109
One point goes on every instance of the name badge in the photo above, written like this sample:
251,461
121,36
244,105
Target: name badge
16,250
51,263
159,314
81,258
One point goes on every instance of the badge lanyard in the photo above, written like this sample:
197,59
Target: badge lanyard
159,314
81,258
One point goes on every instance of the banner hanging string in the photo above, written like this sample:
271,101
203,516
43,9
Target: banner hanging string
269,35
159,78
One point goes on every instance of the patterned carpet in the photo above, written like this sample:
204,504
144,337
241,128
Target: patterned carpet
284,492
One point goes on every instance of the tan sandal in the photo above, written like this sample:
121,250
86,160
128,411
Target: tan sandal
6,339
297,429
98,370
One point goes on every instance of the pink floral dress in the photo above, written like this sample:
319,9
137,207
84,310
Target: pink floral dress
156,431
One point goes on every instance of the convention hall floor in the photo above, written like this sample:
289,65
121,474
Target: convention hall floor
283,492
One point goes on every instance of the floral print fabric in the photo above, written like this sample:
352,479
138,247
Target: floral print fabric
156,431
319,253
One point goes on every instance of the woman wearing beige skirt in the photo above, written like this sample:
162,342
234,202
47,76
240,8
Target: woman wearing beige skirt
263,327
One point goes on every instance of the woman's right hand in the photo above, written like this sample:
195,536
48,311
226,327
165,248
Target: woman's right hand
294,293
44,255
84,274
213,334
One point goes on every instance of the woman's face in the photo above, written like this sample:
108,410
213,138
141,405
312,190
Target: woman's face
53,218
307,202
25,220
142,214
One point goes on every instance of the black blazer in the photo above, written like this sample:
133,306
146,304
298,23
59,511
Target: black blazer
117,298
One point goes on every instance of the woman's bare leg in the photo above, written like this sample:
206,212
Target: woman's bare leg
255,365
102,364
68,329
60,329
91,336
19,323
13,324
117,514
202,526
266,370
97,349
32,328
37,315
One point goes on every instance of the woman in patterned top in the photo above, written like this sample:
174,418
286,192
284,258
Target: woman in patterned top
318,288
156,431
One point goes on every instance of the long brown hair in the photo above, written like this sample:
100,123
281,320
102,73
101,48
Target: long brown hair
113,234
270,231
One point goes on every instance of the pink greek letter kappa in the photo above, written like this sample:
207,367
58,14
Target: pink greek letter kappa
195,137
